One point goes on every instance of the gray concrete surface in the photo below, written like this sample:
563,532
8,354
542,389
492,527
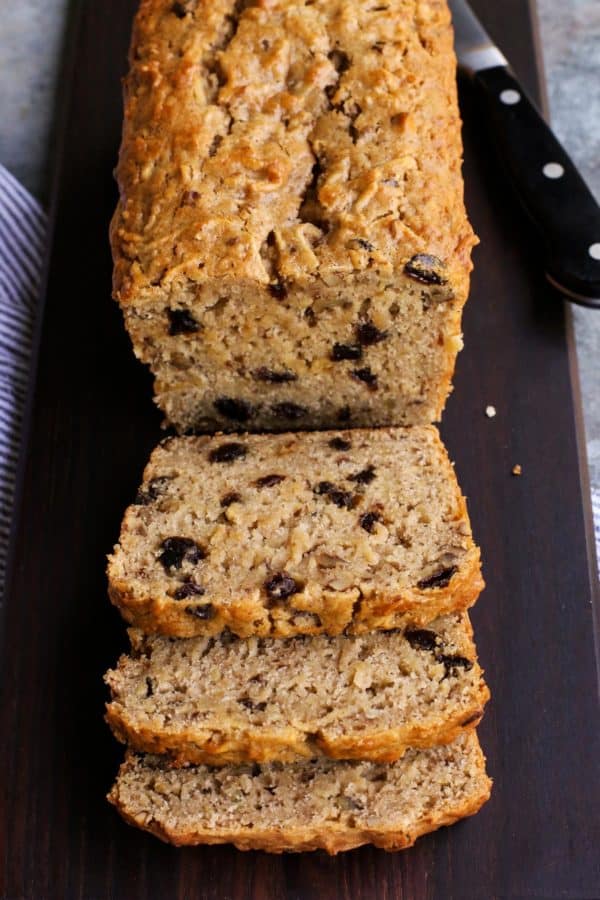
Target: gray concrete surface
571,43
31,37
31,40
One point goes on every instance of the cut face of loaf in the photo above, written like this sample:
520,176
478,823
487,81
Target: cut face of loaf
319,804
226,700
296,534
291,247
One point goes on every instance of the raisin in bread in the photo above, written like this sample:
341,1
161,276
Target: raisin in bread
296,534
304,806
291,248
226,700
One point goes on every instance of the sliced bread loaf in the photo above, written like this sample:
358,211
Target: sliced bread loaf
296,534
225,700
291,247
304,806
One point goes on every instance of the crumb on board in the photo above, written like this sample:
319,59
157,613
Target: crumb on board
490,411
517,470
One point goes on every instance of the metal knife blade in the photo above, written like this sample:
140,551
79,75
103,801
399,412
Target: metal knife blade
474,47
560,205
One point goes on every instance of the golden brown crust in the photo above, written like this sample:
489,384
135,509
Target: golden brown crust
263,746
339,612
259,80
333,841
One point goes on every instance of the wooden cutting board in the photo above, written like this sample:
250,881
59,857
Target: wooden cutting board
92,425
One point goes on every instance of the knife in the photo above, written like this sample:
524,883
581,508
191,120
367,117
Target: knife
546,180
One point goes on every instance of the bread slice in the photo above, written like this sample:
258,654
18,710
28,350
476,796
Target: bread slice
225,700
291,246
304,806
290,534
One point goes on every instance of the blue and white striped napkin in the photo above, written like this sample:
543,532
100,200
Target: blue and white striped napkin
22,241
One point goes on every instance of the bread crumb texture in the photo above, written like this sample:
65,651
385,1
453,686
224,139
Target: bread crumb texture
318,804
224,699
296,534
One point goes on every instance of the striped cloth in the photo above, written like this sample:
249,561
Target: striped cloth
22,242
596,515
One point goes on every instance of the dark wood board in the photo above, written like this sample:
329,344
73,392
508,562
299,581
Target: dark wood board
92,426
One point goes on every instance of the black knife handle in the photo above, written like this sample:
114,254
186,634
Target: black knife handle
548,184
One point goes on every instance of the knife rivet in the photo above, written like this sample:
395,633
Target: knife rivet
594,251
553,170
510,97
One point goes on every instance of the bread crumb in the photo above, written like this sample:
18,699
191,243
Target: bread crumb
517,470
490,411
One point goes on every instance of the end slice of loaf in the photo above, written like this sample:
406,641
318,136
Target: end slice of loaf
324,804
225,700
296,534
291,246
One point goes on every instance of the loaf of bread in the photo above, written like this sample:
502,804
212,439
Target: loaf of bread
226,700
304,806
301,533
291,247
